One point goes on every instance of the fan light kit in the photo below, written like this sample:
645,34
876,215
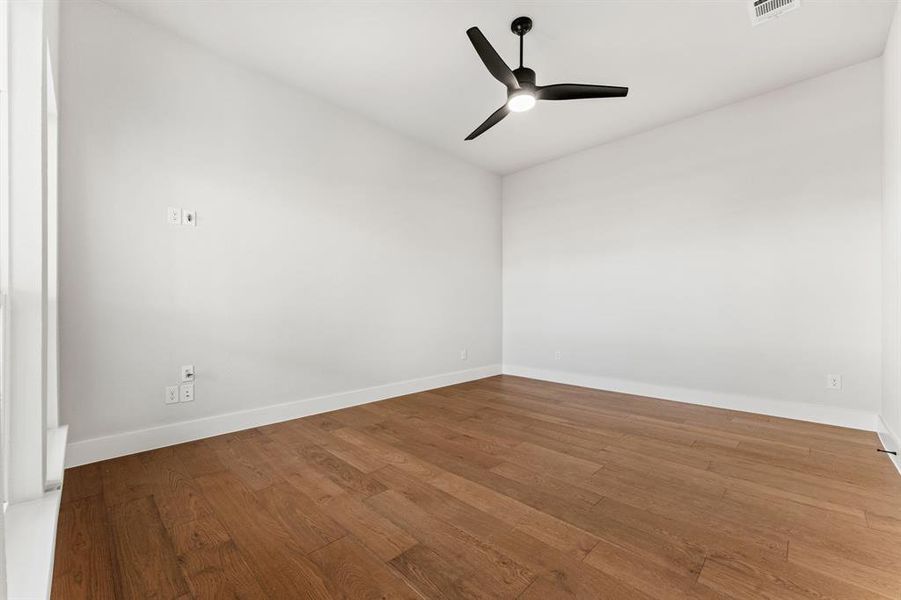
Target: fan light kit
522,92
521,102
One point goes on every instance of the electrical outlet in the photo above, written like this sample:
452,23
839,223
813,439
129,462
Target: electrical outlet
171,396
173,216
464,355
189,217
187,392
833,382
557,355
187,373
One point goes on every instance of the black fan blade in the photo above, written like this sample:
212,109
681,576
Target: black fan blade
490,122
577,91
494,62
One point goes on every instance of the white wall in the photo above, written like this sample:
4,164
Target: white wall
732,258
891,239
330,254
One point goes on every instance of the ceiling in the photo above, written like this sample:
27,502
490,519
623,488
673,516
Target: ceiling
409,65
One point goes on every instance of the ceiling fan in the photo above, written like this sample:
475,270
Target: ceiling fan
521,89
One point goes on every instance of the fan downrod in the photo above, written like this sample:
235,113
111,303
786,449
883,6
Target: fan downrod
521,26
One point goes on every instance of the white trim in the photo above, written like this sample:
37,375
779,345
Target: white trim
890,441
829,415
31,543
56,456
26,293
119,444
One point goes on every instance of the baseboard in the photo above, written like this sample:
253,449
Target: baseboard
829,415
120,444
890,441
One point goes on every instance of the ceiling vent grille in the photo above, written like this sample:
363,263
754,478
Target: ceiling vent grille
765,10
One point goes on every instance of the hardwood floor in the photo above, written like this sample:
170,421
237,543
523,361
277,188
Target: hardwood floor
500,488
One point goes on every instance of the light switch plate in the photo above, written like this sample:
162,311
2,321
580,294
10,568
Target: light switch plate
187,373
173,216
187,392
189,217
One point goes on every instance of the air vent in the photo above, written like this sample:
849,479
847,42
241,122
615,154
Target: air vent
764,10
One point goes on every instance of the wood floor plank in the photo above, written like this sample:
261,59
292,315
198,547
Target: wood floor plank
245,458
750,581
147,563
342,473
416,433
503,487
834,490
84,567
495,573
355,574
652,579
556,572
388,454
306,435
828,564
204,532
298,471
657,495
309,524
581,584
198,458
125,479
551,530
381,536
220,571
548,483
890,523
563,466
82,482
279,562
434,577
175,493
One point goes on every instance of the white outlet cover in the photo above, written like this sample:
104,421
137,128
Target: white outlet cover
187,373
464,355
187,392
171,395
557,355
189,217
173,216
833,382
